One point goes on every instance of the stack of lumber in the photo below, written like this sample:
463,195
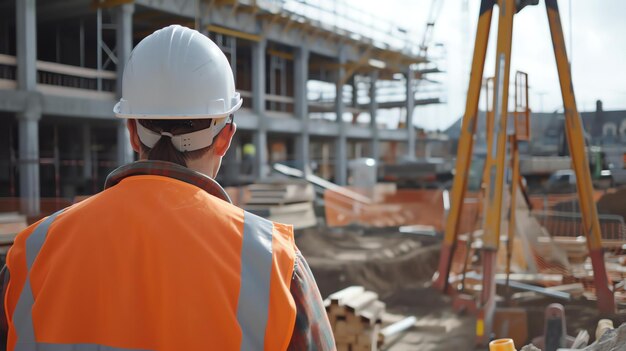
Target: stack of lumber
280,192
11,223
355,316
283,201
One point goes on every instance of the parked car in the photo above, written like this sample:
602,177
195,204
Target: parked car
563,181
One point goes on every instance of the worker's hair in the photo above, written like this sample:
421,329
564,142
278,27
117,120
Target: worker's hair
164,150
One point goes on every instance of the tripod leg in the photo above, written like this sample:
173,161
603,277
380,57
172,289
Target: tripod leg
576,142
496,165
465,146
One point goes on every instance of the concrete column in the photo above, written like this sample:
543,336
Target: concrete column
258,106
125,152
341,143
301,107
124,45
26,32
410,105
28,135
355,97
123,39
373,110
231,166
28,119
87,162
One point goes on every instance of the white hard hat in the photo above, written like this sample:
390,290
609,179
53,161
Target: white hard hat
177,73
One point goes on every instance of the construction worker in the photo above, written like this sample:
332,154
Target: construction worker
161,260
249,155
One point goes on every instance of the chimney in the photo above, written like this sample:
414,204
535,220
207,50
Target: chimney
598,121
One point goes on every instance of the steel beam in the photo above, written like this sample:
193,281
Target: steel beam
301,106
410,106
401,103
538,289
258,107
373,109
341,143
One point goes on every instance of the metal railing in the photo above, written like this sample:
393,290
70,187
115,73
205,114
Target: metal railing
339,16
61,75
570,224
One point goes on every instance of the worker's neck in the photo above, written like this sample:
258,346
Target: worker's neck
206,165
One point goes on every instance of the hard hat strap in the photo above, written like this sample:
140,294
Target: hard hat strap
183,142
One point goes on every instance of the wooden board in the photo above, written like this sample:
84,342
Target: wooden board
372,313
346,293
361,301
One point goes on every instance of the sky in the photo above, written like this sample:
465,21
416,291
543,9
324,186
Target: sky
597,52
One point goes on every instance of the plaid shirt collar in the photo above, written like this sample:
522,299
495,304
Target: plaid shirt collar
167,169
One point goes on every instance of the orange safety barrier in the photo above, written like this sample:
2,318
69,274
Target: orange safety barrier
397,208
548,201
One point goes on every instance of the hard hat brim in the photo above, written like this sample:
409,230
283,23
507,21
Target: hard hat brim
119,114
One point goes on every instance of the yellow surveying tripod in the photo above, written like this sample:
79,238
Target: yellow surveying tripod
496,164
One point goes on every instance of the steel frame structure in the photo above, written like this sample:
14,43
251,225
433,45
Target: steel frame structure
496,164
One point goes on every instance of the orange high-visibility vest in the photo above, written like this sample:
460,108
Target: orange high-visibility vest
152,263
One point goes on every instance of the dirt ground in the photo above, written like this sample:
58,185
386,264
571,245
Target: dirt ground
399,268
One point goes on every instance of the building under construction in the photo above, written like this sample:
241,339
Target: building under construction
525,229
313,75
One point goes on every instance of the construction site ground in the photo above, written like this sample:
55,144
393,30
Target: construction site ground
399,267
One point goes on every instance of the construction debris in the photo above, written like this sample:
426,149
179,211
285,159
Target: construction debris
611,340
530,347
604,325
396,328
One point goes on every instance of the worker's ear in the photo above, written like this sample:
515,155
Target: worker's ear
223,139
134,138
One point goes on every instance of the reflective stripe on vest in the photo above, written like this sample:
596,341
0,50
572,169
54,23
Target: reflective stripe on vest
256,268
22,316
252,307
